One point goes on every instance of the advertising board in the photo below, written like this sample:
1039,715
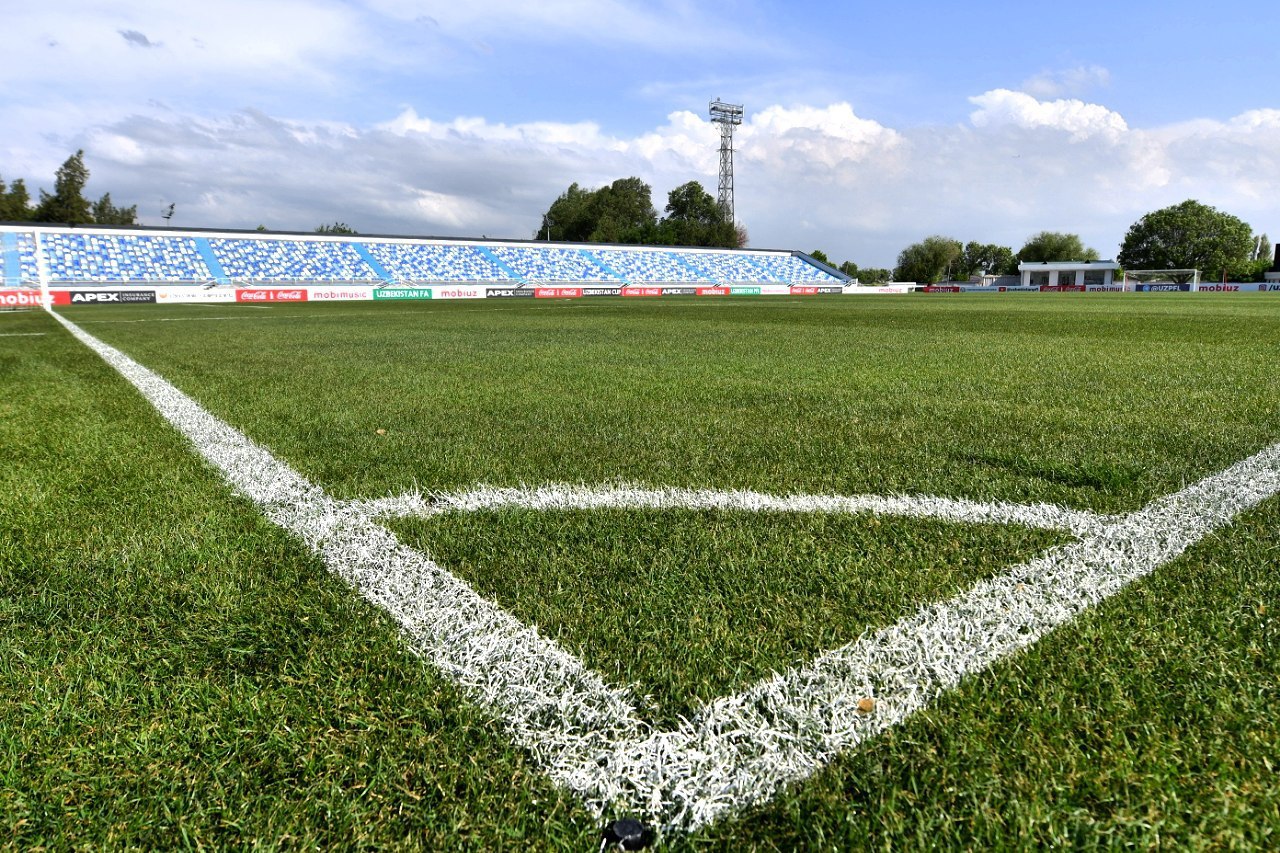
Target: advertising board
271,294
402,293
20,299
111,297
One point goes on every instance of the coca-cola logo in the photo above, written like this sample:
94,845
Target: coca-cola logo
275,295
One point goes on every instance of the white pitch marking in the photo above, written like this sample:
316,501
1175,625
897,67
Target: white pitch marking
740,749
23,334
629,496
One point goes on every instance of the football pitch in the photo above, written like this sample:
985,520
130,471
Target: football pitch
769,573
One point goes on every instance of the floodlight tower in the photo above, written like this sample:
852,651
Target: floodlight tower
728,116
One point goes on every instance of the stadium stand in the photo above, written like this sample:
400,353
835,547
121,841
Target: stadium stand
291,261
418,262
790,269
727,267
121,258
17,259
542,263
102,257
648,266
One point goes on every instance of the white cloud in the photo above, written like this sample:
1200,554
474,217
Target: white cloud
807,176
1070,81
1257,119
162,45
1080,120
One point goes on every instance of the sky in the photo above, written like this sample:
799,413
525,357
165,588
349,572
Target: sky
868,126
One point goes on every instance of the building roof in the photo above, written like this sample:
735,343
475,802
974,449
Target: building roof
1046,266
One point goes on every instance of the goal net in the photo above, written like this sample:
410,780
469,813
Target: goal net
1174,279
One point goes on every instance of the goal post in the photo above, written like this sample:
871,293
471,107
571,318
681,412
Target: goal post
1170,279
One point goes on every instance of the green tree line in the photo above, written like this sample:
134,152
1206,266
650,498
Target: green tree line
623,212
66,203
1190,235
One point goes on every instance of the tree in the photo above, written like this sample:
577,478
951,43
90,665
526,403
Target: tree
335,228
106,213
569,217
621,212
987,259
67,203
1262,250
930,260
15,204
695,219
866,275
1054,246
1189,235
819,255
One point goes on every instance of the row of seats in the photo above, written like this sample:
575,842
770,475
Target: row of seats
653,266
433,262
290,260
18,258
123,257
90,257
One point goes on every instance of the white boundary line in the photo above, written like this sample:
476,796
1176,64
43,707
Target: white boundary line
740,749
629,496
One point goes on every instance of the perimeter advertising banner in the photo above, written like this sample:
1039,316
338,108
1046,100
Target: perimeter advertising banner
558,292
292,294
403,293
111,297
457,292
1240,288
340,294
20,299
170,295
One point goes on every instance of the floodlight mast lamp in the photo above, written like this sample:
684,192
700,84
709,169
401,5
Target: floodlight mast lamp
727,116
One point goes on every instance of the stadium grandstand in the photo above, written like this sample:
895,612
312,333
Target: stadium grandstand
61,257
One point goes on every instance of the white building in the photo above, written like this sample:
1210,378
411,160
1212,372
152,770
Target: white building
1068,273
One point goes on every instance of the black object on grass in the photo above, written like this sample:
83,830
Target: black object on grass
630,833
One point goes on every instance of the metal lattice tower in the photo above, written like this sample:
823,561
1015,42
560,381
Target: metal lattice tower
728,116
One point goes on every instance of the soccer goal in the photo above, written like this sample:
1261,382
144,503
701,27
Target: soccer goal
1173,279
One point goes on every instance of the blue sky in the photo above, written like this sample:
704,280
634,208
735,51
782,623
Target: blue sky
869,126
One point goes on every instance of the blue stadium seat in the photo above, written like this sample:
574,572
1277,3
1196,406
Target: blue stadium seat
547,263
424,262
249,259
121,258
649,266
80,256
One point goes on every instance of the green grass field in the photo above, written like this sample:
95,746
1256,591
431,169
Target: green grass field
178,672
